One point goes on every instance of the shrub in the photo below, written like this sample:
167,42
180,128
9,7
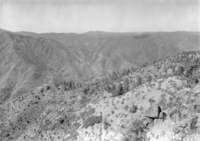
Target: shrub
136,131
5,94
133,109
193,124
119,90
92,121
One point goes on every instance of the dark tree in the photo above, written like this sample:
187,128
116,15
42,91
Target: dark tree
138,81
180,70
149,78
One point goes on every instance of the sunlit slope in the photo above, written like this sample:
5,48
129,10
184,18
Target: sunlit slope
155,110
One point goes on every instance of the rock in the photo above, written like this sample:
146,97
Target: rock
153,112
163,116
158,121
148,122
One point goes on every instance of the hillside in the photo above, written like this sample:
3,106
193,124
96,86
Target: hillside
99,86
158,102
29,59
107,52
27,62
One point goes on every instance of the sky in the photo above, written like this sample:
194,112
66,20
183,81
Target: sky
78,16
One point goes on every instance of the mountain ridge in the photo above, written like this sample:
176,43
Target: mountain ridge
28,62
44,57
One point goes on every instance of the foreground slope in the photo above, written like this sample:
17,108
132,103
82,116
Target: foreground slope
48,114
163,109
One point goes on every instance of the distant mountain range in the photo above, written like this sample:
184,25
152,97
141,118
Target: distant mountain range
105,51
30,59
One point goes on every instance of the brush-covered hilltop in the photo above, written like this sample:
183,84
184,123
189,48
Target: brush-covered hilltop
99,86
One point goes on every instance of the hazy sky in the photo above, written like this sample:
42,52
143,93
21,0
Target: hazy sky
100,15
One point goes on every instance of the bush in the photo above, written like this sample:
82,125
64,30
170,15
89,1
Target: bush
92,121
117,90
193,124
133,109
136,131
5,94
180,70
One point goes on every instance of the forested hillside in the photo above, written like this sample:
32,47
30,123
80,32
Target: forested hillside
156,102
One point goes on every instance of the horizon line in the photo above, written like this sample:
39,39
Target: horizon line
97,31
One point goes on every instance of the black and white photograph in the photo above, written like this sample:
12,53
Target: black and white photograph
99,70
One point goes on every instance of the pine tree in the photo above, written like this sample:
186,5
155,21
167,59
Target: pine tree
120,89
149,78
138,81
126,84
180,70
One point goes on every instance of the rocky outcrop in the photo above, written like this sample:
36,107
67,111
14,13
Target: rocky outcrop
153,112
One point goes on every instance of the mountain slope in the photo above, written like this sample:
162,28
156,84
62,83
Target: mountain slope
31,59
26,62
163,108
107,52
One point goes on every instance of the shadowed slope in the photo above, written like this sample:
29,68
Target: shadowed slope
26,62
106,52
